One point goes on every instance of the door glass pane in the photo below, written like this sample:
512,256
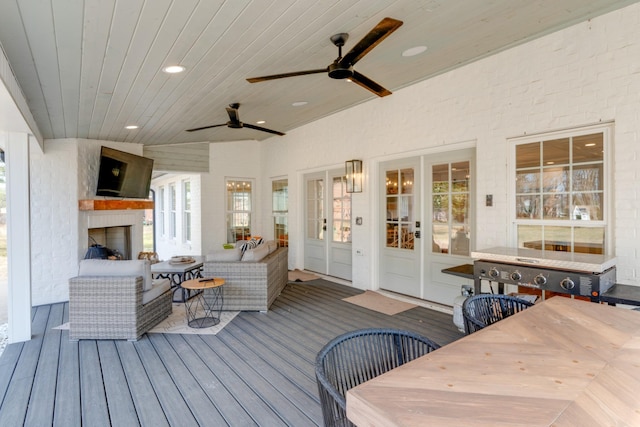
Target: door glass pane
315,209
400,209
407,181
392,182
451,208
440,238
341,223
460,176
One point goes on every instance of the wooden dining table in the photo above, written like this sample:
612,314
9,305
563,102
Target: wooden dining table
562,362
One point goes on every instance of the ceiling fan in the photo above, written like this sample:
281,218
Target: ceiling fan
342,67
235,123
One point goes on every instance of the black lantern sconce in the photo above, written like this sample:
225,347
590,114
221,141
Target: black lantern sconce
353,171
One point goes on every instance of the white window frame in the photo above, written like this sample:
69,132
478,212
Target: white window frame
280,213
252,201
186,210
607,130
173,206
162,211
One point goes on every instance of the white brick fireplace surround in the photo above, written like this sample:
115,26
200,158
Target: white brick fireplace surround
114,218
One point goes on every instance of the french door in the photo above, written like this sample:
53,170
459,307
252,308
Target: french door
328,224
400,267
426,223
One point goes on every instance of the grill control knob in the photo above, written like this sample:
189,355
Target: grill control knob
516,275
567,284
540,280
494,273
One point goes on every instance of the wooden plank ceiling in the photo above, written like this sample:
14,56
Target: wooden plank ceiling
88,68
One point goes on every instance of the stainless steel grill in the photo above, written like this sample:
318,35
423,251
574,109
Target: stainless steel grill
580,274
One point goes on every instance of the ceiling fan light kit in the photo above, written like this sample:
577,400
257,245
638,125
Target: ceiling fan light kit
342,66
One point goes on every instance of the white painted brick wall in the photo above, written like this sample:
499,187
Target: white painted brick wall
66,172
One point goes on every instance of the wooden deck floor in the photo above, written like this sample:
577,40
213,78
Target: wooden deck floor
259,370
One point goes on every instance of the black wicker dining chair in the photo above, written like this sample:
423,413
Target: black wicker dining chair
358,356
480,311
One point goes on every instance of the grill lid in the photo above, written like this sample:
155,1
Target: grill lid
589,263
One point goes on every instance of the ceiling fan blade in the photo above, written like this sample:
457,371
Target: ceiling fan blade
233,115
371,40
284,75
369,84
205,127
247,125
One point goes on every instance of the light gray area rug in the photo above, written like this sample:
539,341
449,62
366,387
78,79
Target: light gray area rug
176,323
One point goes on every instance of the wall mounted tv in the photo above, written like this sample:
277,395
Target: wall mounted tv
123,174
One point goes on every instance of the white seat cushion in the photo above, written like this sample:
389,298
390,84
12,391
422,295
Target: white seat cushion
158,287
107,267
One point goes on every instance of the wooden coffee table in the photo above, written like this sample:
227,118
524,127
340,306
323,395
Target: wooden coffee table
202,308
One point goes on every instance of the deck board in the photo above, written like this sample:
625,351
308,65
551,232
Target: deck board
259,370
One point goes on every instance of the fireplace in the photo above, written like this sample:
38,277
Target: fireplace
115,229
115,238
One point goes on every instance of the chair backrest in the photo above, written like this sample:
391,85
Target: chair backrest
358,356
107,267
482,310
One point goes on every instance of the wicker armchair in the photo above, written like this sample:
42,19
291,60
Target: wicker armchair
116,300
358,356
482,310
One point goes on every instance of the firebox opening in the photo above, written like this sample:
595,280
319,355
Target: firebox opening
114,238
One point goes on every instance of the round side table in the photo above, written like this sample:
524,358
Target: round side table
203,307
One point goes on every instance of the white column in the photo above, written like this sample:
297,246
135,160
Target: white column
18,237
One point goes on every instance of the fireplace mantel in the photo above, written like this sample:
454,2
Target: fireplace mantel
103,205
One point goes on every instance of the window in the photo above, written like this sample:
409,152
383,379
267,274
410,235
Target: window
239,205
161,212
341,211
561,191
186,211
451,200
172,210
280,209
148,228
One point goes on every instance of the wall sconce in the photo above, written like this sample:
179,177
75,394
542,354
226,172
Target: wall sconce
353,171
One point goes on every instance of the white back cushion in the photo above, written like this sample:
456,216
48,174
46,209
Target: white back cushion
107,267
225,255
256,254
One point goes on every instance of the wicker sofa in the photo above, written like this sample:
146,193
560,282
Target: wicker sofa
116,300
250,285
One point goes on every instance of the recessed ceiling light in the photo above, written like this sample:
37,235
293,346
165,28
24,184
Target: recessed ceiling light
413,51
591,144
261,122
131,127
173,69
299,103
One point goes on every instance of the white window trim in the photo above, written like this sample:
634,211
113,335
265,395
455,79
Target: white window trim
185,211
254,199
607,130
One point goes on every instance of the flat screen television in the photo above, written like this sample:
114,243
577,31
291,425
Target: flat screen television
124,174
